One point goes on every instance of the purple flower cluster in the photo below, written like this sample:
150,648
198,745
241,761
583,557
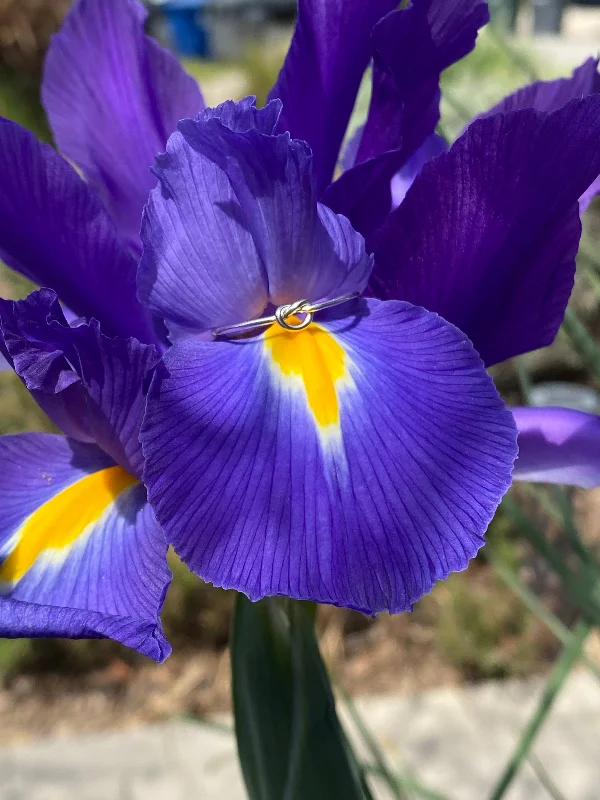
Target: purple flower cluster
353,449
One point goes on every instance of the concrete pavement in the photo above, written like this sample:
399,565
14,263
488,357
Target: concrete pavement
456,741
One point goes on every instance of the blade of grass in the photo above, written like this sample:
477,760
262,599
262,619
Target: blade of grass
582,341
561,512
379,759
400,785
544,778
591,271
568,658
588,259
580,588
541,497
535,605
525,382
588,248
571,530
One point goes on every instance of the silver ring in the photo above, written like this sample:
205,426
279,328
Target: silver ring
282,313
289,310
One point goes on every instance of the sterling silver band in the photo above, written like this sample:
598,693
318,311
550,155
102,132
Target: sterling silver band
281,315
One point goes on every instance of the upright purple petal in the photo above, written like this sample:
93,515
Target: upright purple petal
235,224
552,95
303,247
54,230
90,385
355,462
113,97
412,48
558,445
81,555
488,232
200,267
319,81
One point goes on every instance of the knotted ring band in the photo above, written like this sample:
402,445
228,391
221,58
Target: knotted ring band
281,315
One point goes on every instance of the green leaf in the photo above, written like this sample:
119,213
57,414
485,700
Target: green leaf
290,743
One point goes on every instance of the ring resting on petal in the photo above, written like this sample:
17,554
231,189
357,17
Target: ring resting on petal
283,314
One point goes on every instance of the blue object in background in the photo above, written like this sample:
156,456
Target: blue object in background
185,19
547,16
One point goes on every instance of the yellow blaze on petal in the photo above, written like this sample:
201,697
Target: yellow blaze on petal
315,356
59,522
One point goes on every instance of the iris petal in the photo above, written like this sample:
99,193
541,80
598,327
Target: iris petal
54,230
61,521
552,95
488,232
80,552
353,463
113,97
90,386
412,47
558,445
318,83
199,268
235,224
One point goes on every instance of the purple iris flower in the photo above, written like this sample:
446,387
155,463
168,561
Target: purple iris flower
355,461
359,460
80,551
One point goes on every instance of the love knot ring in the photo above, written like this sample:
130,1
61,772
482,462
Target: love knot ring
282,315
300,307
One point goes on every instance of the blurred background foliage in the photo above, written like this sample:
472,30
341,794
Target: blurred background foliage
512,613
